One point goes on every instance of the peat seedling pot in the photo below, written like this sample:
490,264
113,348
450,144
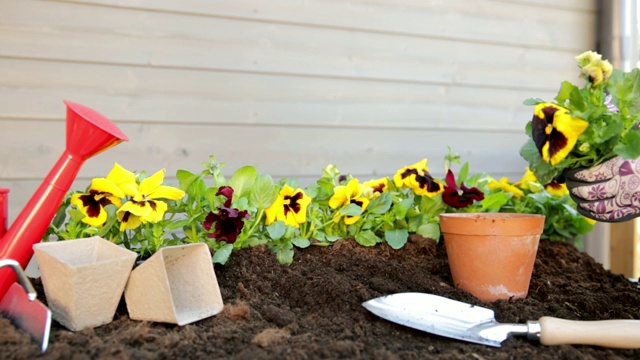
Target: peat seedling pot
491,255
176,285
83,279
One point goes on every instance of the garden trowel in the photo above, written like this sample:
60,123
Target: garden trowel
26,312
458,320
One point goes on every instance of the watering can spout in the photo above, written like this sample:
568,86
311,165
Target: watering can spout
88,133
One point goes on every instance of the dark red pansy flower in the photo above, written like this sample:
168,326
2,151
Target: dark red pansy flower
227,221
459,197
226,191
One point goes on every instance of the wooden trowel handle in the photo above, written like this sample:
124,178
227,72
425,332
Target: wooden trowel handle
623,334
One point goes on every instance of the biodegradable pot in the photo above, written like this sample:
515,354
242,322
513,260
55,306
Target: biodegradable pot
176,285
491,255
83,279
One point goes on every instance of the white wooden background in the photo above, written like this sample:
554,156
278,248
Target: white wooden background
286,85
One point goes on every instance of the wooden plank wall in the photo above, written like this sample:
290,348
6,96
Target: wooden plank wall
288,86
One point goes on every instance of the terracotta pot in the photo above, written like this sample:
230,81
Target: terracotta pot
83,279
491,255
176,285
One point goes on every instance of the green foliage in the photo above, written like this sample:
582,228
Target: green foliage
365,215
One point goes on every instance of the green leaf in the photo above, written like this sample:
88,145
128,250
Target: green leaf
264,193
285,256
366,238
544,172
429,231
174,225
351,210
381,204
494,202
301,242
401,208
629,148
566,89
463,173
222,255
276,230
396,238
532,101
242,181
191,183
76,215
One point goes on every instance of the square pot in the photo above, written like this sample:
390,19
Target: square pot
83,279
176,285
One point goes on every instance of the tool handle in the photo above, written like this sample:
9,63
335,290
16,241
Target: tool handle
622,334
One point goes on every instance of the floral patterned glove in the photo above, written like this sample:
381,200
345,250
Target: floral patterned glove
608,192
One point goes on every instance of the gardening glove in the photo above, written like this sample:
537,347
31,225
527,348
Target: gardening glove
608,192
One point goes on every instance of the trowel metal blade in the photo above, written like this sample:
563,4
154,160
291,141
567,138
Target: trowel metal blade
441,316
28,315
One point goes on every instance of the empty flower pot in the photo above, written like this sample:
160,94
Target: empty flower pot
83,279
491,255
176,285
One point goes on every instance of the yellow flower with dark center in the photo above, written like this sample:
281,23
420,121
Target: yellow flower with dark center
290,207
344,195
102,192
555,132
417,178
373,188
504,185
145,206
557,189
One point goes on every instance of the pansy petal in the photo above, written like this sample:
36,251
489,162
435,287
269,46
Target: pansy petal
275,209
141,209
150,184
349,220
107,186
339,197
157,213
124,179
451,180
128,221
166,192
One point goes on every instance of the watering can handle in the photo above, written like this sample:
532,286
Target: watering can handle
24,280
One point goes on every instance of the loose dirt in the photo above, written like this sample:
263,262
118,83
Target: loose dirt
312,310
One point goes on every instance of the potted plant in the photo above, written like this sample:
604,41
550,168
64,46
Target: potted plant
595,124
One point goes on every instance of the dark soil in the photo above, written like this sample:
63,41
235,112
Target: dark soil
312,309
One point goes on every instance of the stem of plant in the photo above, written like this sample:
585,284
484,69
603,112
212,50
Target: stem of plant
255,223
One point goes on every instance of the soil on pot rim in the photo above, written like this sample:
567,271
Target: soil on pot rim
312,310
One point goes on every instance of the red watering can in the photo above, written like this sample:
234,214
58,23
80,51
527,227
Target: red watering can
88,133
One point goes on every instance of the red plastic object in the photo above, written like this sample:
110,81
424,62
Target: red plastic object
4,210
88,133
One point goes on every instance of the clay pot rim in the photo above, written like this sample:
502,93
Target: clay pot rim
509,224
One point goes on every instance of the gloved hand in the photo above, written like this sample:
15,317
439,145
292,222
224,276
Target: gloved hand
608,192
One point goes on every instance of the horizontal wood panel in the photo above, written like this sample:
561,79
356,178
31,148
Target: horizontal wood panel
35,89
177,41
517,23
288,86
29,149
574,5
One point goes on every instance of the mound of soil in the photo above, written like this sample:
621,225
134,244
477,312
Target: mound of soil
312,310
